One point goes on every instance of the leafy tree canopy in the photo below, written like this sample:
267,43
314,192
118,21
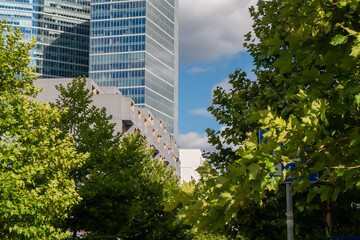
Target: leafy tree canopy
306,98
36,190
91,127
122,187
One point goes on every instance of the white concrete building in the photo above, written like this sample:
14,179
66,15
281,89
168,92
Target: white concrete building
190,160
125,115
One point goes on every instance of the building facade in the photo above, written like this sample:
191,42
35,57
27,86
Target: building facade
128,44
126,116
61,29
190,160
134,47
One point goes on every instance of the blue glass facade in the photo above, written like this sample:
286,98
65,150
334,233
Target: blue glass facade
134,46
61,28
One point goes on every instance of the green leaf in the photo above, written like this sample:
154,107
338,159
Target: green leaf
355,51
325,192
169,206
226,195
220,181
284,63
188,188
337,190
339,39
357,99
253,170
312,193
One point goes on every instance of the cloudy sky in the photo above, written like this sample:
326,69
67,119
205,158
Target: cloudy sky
211,47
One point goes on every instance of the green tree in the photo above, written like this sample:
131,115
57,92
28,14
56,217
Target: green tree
91,127
306,97
122,187
192,234
124,196
36,190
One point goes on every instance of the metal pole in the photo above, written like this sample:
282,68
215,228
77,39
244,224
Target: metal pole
289,212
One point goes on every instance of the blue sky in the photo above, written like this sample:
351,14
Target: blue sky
211,48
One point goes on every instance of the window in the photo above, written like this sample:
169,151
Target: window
151,119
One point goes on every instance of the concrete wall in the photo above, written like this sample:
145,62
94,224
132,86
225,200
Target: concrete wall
127,117
190,160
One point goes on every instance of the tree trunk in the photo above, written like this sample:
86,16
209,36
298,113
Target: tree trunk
74,234
328,219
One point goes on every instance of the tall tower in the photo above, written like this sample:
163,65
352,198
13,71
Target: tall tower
61,29
134,46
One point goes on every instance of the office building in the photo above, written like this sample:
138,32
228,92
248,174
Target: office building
61,29
125,115
134,47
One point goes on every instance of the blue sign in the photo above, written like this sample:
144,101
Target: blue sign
290,166
312,177
261,135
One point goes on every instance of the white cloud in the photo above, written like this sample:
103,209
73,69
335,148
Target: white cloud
223,140
198,70
210,29
194,140
202,112
224,84
222,128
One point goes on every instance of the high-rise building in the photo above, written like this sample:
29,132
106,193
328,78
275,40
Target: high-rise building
61,29
134,46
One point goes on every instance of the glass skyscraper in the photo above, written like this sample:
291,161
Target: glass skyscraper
130,44
61,28
134,46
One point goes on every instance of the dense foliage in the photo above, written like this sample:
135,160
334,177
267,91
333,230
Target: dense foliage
123,195
306,97
122,187
36,189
